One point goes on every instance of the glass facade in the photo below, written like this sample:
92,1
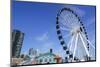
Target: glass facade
17,40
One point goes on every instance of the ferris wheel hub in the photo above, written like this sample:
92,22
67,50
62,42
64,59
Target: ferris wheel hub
75,30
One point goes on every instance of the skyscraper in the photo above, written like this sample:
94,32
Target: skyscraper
17,40
33,52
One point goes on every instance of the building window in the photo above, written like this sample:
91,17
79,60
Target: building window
53,59
49,60
40,60
45,60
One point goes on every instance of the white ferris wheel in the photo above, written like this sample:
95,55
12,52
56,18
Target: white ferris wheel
73,36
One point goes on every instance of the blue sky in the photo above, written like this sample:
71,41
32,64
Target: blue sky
38,22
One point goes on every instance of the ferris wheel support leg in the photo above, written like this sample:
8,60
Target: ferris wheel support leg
75,46
89,42
84,45
71,43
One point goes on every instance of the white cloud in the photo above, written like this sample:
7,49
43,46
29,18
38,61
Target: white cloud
43,37
48,44
45,41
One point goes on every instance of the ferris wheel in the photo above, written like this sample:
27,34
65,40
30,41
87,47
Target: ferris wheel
73,36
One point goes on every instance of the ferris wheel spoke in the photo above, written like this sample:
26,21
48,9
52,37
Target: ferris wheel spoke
65,29
76,41
65,22
65,26
66,36
84,45
69,19
88,41
73,20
